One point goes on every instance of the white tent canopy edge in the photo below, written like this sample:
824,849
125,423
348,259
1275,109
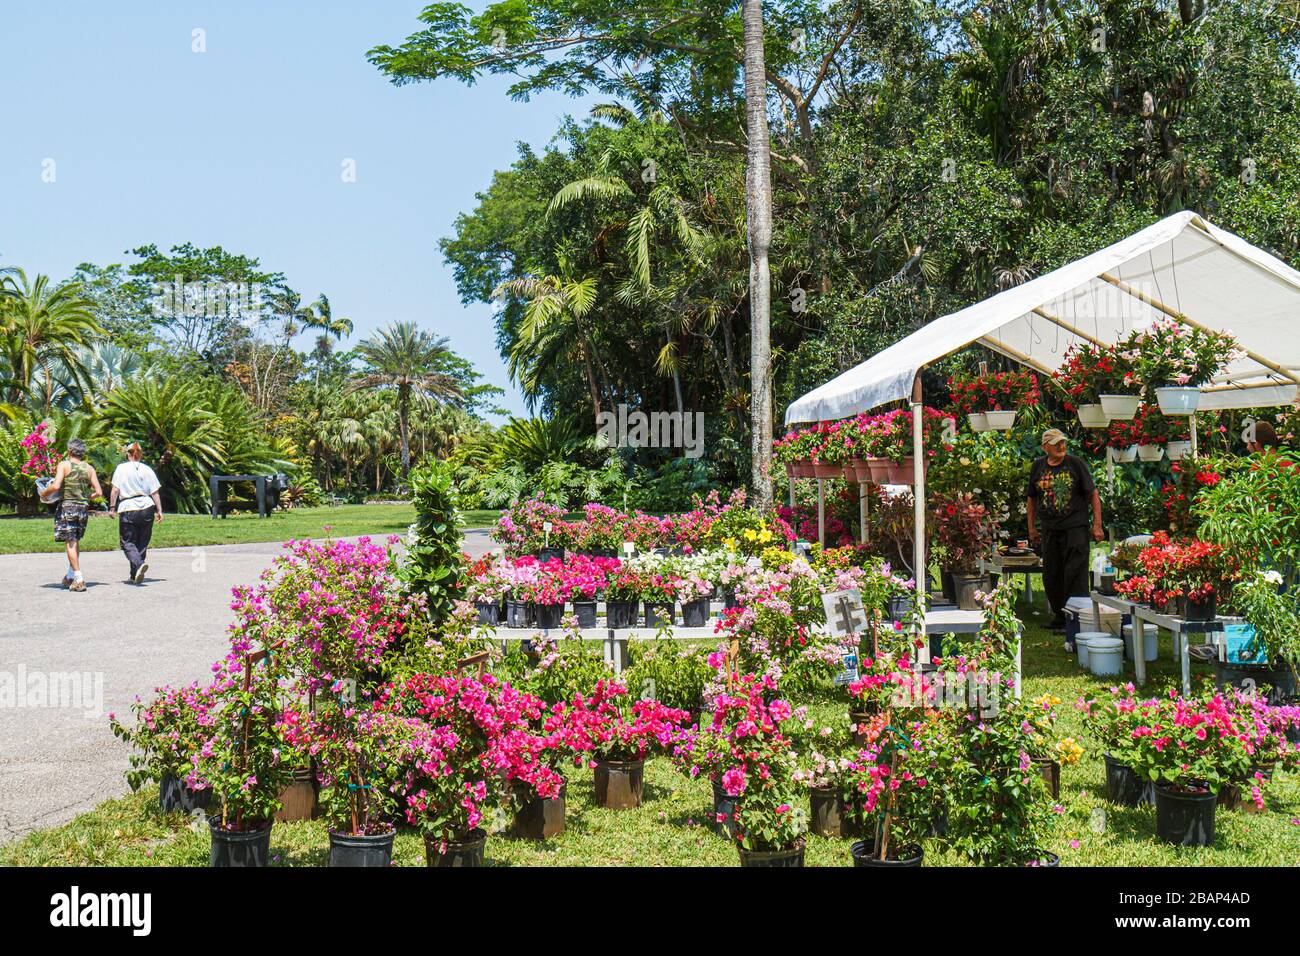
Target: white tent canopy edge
1181,265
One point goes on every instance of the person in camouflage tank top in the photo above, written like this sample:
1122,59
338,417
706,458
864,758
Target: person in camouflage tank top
75,485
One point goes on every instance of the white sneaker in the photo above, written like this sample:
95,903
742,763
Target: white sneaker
138,577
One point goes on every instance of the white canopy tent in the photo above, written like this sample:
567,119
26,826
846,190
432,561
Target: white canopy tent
1181,267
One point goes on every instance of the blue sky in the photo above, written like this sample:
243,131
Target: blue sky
242,146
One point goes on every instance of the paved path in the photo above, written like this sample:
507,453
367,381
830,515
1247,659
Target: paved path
58,757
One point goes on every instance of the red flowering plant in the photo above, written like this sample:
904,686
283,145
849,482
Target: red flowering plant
890,435
996,391
167,732
1111,720
797,445
1091,371
962,529
581,578
473,742
1190,743
1168,569
486,577
607,724
747,750
1253,508
1148,427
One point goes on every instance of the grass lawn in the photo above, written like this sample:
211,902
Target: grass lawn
27,535
672,827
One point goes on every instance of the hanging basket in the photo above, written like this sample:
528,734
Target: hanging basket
880,470
1000,421
1178,450
827,472
1178,401
1121,408
979,421
1093,416
1123,456
903,472
1150,452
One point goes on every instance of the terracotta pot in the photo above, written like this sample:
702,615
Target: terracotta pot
878,468
862,470
803,469
828,472
904,472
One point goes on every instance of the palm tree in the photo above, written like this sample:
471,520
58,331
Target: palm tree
758,200
554,327
41,328
413,362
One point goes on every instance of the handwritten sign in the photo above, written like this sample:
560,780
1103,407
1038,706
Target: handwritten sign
845,615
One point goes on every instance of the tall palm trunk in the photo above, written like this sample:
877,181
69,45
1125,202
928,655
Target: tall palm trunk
403,411
758,202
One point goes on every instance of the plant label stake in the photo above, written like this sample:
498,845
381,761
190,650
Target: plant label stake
546,534
733,665
845,615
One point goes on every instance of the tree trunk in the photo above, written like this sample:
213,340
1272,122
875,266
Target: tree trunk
403,413
758,202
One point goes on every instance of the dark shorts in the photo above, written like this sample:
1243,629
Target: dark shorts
70,522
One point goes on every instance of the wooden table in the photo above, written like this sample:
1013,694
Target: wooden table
1001,565
1144,614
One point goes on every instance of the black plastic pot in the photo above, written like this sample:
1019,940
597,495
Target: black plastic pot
518,613
695,613
362,850
859,718
948,587
900,608
1050,771
550,554
826,811
489,612
585,611
238,848
1203,610
467,851
656,614
1123,786
174,796
549,615
621,613
538,818
724,811
729,599
864,855
772,858
1185,817
619,783
1292,732
1243,676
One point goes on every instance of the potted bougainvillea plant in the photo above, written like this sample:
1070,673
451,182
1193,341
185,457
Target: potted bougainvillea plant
167,731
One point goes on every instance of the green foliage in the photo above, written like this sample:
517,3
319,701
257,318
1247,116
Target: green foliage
669,673
433,567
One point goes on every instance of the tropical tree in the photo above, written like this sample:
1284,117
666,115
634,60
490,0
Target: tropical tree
42,327
414,364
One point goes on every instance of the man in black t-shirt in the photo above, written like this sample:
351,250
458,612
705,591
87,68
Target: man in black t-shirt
1061,493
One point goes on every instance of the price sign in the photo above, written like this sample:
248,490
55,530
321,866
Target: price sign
850,672
845,615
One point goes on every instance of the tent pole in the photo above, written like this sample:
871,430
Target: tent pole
918,496
821,513
862,511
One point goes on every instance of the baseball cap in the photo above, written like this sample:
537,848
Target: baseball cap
1053,436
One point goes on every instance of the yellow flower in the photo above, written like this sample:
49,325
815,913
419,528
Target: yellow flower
965,461
765,536
729,544
750,535
1069,750
984,466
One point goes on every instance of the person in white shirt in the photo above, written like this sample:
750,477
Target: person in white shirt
135,501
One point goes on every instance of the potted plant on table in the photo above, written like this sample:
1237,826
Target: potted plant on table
961,527
487,588
1275,616
580,579
622,596
658,588
167,733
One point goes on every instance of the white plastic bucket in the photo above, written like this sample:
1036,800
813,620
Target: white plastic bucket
1124,455
1080,608
979,421
1150,452
1106,656
1150,641
1083,644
